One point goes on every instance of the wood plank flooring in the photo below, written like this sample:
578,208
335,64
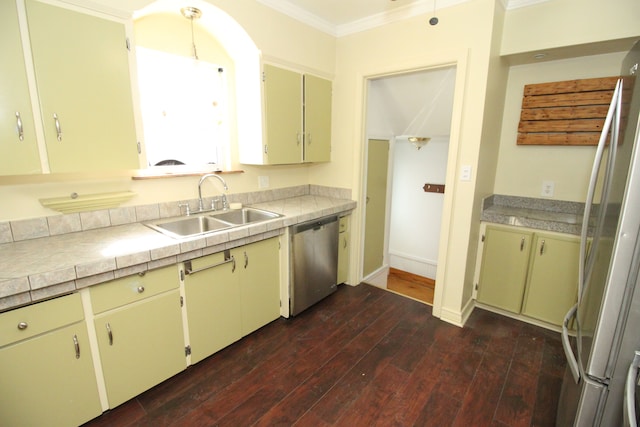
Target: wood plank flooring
411,285
365,357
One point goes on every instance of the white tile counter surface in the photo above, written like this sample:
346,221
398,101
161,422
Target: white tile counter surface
43,267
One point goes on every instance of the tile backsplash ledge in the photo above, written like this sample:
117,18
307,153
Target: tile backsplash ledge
26,229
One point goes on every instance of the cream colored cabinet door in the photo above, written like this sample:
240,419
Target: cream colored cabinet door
138,323
503,275
259,268
141,345
553,278
283,116
317,119
18,143
212,300
47,376
81,67
343,250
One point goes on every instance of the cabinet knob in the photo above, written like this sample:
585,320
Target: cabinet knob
140,289
23,325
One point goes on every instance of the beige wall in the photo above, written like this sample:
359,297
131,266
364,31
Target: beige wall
560,23
521,169
279,38
462,37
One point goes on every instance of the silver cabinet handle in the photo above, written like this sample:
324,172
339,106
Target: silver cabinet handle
233,263
521,244
298,138
246,260
140,289
23,325
109,334
542,248
19,126
345,243
309,136
76,345
58,128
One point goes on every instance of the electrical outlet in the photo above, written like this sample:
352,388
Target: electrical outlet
263,181
547,188
465,173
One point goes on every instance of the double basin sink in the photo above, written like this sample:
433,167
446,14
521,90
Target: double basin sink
211,222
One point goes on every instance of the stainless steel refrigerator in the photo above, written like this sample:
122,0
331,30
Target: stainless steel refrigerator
606,317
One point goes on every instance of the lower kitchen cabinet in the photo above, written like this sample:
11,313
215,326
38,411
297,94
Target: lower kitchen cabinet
343,250
47,375
140,332
230,294
553,278
529,272
259,284
505,258
212,298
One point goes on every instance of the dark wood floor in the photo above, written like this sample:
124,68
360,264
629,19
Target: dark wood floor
365,357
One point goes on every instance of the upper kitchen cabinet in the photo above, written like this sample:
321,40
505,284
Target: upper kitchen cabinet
297,120
18,144
80,64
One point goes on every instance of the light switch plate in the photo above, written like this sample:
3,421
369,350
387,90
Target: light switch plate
263,181
547,188
465,173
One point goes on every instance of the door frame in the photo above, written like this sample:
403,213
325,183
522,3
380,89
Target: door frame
459,61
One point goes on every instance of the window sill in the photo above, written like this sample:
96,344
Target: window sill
145,174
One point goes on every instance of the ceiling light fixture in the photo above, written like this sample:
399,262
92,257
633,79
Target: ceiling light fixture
192,13
418,141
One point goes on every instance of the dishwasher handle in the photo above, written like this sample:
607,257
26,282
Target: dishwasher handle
315,224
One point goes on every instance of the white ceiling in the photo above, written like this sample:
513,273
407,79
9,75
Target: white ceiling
336,17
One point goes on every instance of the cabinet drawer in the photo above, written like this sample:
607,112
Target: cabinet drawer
35,319
133,288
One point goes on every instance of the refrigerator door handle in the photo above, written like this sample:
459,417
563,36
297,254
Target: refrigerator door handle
630,393
572,362
585,258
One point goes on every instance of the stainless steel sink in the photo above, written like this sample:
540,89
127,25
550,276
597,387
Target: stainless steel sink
189,226
210,222
245,216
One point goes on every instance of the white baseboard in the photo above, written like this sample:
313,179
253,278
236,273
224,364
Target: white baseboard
458,318
413,265
378,278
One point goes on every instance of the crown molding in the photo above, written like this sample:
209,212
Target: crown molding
417,8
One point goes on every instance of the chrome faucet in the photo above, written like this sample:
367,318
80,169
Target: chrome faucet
213,175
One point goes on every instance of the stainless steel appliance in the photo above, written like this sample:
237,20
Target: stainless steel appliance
314,262
607,314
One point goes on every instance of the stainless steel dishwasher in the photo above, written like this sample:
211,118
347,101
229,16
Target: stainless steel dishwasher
314,262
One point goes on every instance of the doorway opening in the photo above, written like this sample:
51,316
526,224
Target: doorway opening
409,116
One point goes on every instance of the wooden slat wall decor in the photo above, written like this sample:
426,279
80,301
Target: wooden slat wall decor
571,112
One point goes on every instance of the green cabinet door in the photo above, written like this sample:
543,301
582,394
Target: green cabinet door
259,267
49,380
82,72
317,119
553,278
18,144
343,257
503,275
212,299
141,344
283,115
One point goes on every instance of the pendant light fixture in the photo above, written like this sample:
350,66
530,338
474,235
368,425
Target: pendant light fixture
192,13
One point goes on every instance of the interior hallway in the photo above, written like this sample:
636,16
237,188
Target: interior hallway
365,356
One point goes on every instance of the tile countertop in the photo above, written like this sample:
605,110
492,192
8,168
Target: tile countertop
41,268
541,214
